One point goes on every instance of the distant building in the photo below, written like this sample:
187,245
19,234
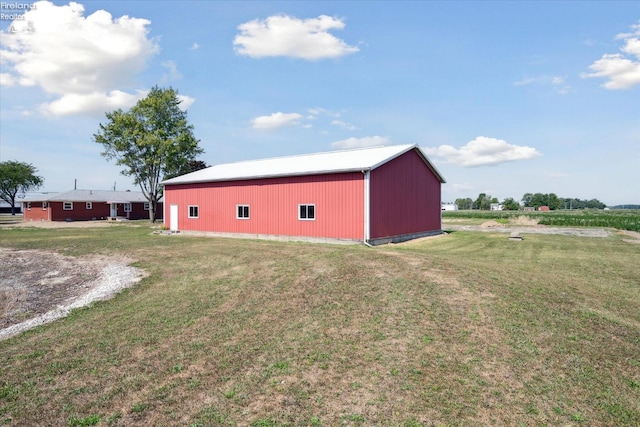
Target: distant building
449,207
543,208
496,207
86,205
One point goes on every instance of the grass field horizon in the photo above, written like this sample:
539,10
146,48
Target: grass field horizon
465,329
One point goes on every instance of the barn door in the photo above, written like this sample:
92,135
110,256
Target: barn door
173,217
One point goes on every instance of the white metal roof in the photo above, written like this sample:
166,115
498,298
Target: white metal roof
363,159
96,196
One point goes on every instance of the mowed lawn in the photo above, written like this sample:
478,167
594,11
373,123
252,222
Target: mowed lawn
462,330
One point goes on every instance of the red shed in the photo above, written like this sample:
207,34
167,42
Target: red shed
86,205
373,195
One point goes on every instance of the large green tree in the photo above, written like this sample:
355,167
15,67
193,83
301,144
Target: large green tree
484,201
153,140
16,178
464,204
510,205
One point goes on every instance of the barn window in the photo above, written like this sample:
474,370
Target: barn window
67,206
242,211
28,206
127,207
193,211
307,212
89,206
146,206
44,206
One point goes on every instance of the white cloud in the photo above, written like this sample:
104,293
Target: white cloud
185,102
84,59
315,112
194,46
525,81
462,187
558,83
276,120
283,35
7,79
343,125
368,141
90,103
622,71
173,73
483,151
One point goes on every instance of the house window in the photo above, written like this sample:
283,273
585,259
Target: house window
67,206
44,206
89,206
193,211
28,206
127,207
146,206
307,212
242,211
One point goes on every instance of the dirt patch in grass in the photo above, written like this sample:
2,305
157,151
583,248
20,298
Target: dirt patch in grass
634,236
491,224
37,287
524,220
537,229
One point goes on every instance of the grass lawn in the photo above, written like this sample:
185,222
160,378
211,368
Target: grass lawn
462,330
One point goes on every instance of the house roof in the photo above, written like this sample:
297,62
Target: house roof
355,160
97,196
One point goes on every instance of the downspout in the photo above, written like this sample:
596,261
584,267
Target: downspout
367,209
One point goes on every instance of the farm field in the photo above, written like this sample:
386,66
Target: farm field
622,219
464,329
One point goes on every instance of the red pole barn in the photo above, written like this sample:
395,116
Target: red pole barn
372,195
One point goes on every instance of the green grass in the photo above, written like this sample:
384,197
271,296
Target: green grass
467,329
622,219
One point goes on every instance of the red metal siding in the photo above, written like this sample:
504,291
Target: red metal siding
404,197
273,202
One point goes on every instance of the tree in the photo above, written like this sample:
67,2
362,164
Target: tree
464,204
152,140
16,178
554,202
540,199
192,166
483,202
478,202
510,205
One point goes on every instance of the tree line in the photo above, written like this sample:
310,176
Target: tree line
531,200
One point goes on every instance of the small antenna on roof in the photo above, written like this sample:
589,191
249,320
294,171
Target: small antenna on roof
75,184
114,186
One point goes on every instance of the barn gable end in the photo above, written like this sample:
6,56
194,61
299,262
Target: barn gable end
404,199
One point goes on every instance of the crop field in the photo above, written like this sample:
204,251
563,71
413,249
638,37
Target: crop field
465,329
620,219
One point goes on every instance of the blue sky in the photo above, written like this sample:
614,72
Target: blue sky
505,97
